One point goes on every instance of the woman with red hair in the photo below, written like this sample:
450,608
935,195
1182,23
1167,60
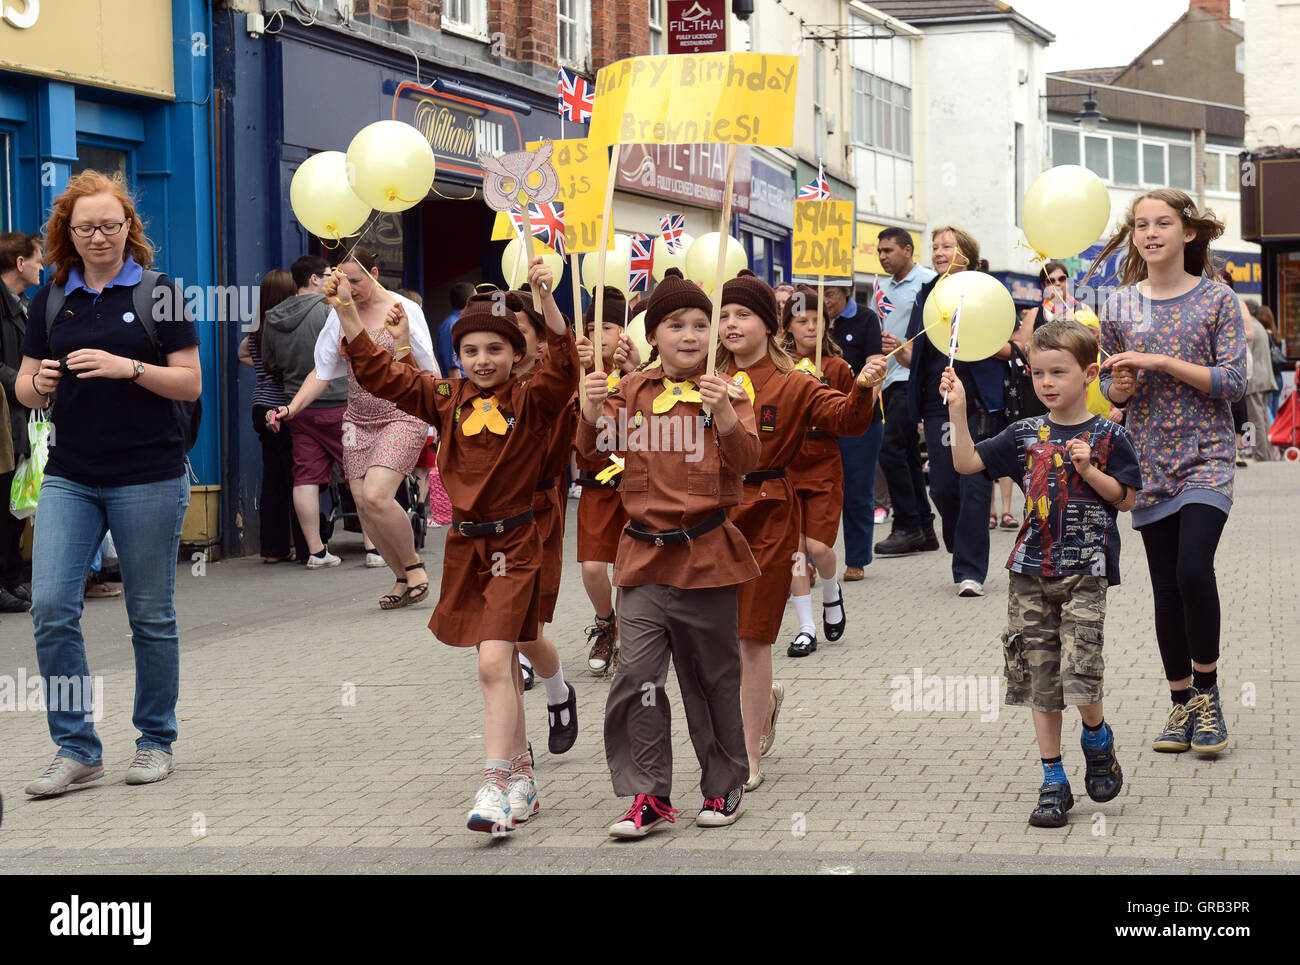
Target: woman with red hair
119,463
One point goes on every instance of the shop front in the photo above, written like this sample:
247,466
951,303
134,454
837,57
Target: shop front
132,99
1270,215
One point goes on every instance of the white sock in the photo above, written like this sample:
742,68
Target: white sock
803,610
557,692
831,592
525,662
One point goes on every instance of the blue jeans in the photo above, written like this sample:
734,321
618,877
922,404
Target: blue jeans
858,455
962,501
146,521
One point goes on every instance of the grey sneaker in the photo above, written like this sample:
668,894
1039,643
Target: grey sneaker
150,766
323,559
373,559
62,773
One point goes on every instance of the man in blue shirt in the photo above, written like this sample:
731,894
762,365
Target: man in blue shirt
448,363
900,451
856,330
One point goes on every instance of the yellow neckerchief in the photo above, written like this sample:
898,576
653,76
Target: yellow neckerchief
484,414
613,380
806,365
742,379
674,392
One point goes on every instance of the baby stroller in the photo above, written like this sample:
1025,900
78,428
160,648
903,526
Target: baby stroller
1285,430
343,508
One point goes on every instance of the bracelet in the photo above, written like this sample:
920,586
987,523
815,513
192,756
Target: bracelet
43,395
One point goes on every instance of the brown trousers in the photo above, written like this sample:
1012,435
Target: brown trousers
697,628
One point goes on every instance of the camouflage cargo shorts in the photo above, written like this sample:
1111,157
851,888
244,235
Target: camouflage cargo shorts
1052,644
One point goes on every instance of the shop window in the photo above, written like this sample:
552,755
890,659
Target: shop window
106,160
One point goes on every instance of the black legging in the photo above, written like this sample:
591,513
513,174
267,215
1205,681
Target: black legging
1180,555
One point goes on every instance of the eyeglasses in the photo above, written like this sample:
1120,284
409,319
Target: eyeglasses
88,230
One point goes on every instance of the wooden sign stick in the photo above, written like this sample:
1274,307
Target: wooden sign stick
723,238
577,322
528,247
598,290
821,322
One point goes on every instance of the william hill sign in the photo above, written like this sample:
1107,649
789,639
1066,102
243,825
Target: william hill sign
697,26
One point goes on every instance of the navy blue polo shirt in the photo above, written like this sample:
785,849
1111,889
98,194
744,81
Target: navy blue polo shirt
857,333
110,432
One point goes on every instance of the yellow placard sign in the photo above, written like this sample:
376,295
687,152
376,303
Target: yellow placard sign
729,98
823,238
583,171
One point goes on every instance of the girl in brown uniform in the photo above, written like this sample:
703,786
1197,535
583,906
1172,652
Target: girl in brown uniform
495,427
787,403
817,475
679,561
601,516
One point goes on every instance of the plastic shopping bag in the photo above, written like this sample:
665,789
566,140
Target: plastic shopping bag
26,487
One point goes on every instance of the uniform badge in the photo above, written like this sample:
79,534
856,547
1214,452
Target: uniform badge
637,419
767,418
444,390
708,420
455,418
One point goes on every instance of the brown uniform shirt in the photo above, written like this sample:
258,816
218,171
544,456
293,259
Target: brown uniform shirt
662,490
788,405
837,374
487,476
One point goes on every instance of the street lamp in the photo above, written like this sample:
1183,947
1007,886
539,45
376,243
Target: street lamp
1088,119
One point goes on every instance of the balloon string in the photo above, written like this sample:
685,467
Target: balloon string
446,197
370,222
1038,257
905,344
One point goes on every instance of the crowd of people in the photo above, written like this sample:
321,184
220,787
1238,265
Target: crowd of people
701,478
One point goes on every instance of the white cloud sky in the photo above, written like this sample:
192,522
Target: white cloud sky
1104,33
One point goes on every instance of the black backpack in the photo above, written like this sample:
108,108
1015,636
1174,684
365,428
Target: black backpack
188,414
1018,398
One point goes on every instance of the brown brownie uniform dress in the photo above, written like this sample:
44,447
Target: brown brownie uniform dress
679,600
786,406
601,516
550,503
490,584
816,471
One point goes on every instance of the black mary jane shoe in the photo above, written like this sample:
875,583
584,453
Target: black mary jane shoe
1053,801
562,736
835,630
804,644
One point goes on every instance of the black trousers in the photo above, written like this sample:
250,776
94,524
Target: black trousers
1180,556
279,523
11,531
962,500
900,461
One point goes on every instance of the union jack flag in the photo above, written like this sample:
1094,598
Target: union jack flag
577,97
884,307
643,252
671,227
818,190
547,221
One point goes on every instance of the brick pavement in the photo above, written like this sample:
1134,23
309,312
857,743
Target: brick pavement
276,773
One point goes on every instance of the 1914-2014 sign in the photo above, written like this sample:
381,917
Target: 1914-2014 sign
697,26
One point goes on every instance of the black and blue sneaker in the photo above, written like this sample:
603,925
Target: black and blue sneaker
1177,735
1209,729
1104,777
1053,801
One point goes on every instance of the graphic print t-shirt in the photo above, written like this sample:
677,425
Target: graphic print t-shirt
1068,527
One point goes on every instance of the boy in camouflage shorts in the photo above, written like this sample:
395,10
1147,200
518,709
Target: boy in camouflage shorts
1078,472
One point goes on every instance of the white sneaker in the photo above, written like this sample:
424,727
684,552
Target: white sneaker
522,794
970,588
150,766
491,811
325,558
62,773
373,559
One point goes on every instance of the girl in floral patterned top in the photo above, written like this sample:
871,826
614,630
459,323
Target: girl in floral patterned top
1177,361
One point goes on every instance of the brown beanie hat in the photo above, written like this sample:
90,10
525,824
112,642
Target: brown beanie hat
755,294
640,307
673,294
537,318
481,314
615,306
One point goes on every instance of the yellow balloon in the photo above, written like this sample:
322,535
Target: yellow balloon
663,260
514,262
701,262
1098,404
618,264
390,165
1065,210
321,199
988,315
636,332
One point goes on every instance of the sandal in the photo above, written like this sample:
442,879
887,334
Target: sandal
993,520
391,601
270,560
101,591
1010,522
413,594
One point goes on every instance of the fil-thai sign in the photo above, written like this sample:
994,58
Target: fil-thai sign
697,26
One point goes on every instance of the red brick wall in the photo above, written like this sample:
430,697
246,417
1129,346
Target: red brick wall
425,12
